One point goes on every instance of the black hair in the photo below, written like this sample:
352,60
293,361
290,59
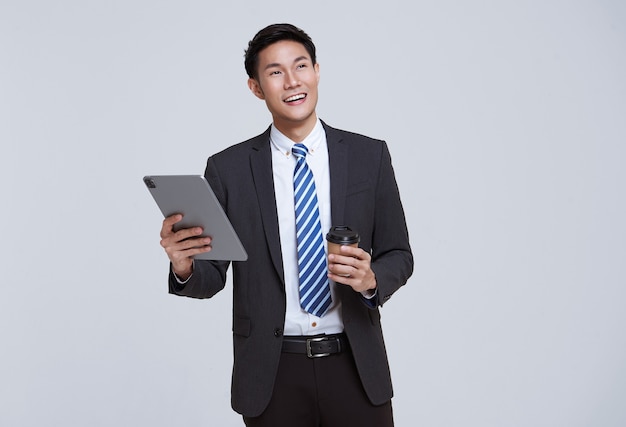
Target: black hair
272,34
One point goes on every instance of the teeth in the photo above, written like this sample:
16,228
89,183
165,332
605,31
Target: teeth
295,97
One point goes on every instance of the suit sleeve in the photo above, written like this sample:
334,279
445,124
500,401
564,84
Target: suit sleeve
392,260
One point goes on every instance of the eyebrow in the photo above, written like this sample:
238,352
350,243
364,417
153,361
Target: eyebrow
276,64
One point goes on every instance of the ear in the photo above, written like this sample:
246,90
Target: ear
317,71
255,88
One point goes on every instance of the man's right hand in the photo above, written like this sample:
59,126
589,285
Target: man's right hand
182,245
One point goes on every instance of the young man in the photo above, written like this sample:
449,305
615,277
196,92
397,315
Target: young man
297,363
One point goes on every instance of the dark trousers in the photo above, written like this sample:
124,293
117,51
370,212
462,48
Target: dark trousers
320,392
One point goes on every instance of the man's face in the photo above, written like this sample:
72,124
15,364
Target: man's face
287,81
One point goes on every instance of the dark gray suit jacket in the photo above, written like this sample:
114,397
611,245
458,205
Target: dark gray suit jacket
364,196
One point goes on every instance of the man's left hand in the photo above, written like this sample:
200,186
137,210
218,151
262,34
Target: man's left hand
352,268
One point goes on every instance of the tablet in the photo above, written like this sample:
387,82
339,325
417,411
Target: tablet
192,196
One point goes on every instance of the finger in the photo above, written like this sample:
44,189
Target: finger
188,233
173,219
168,224
344,280
348,261
184,239
180,235
181,252
339,259
354,252
342,270
194,243
190,252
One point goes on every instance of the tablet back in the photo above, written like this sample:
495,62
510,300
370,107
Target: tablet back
192,196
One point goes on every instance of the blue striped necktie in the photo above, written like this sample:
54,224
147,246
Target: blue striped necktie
314,287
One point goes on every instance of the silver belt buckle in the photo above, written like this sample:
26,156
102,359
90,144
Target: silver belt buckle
309,354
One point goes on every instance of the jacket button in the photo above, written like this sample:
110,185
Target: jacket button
278,332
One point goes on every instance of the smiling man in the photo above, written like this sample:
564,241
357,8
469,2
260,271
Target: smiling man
308,342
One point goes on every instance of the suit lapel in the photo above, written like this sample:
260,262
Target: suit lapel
261,165
338,161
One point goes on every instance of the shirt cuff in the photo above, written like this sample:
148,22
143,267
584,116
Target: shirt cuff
369,298
179,280
369,294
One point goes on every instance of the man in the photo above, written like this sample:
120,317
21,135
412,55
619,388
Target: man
324,364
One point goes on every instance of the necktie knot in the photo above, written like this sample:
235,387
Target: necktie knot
299,150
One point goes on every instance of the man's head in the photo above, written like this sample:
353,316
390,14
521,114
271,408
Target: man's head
284,73
270,35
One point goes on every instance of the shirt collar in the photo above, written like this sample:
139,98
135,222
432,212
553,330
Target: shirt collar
283,144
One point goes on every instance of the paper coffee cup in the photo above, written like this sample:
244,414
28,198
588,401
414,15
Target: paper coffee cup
341,235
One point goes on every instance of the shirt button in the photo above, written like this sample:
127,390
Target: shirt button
314,324
278,332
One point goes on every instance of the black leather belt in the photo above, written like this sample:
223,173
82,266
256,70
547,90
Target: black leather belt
319,346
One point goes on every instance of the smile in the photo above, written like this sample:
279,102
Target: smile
295,97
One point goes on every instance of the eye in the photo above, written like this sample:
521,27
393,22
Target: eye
274,73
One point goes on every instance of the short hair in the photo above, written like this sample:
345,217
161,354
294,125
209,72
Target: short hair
272,34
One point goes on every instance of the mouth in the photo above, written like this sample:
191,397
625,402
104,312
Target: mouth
295,98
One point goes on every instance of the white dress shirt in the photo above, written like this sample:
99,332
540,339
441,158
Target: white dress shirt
298,321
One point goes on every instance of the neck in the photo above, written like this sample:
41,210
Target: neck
296,131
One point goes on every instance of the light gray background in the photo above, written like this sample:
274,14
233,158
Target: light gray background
506,121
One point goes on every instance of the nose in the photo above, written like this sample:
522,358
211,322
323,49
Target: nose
291,80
